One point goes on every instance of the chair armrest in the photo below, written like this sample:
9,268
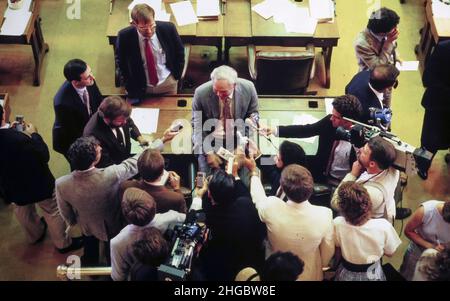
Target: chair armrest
251,54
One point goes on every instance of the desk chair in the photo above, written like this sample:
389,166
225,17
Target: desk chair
281,72
187,52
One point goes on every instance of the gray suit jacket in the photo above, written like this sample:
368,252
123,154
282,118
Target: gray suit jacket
370,52
205,105
90,198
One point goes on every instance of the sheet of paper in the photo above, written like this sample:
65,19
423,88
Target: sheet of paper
146,119
440,10
302,120
322,10
208,8
282,10
15,25
299,21
264,9
162,15
329,105
184,13
408,66
24,9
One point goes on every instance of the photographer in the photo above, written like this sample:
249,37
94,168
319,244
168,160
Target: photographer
373,169
236,232
26,180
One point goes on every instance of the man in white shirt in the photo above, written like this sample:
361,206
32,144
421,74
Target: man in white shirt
373,169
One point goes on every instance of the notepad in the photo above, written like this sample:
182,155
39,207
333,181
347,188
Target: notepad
208,8
184,13
322,10
146,119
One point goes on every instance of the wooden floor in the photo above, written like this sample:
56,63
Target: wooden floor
85,39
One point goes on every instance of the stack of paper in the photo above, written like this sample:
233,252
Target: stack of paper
208,9
16,20
322,10
160,13
184,13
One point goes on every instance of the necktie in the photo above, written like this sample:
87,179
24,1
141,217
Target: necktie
120,137
151,66
381,45
86,102
331,159
226,114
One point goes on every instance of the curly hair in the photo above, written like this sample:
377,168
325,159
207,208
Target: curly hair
348,106
151,248
437,268
138,207
114,106
383,20
82,153
354,203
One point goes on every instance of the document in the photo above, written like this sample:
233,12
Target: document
302,120
208,8
299,21
184,13
264,9
322,10
440,9
15,24
146,119
408,65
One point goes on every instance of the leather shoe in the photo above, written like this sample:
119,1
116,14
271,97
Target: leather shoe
44,232
422,174
402,213
77,243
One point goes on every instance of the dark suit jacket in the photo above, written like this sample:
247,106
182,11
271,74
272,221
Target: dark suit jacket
112,151
25,177
71,115
359,87
129,59
235,239
327,135
165,198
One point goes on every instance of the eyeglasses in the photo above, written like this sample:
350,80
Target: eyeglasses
145,26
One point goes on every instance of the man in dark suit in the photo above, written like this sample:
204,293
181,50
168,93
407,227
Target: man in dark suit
26,180
149,63
334,156
436,101
370,86
76,100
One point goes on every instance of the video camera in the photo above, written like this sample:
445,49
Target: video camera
186,239
407,155
380,117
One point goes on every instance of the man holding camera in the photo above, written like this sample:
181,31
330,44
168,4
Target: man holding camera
373,169
26,180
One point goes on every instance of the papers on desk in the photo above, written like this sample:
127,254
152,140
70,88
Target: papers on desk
322,10
408,66
329,105
184,13
305,119
146,119
295,18
16,20
160,13
208,9
440,9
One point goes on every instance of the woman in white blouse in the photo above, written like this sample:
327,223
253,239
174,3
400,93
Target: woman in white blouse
428,228
362,240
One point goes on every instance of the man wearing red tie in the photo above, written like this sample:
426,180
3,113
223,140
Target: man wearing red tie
149,54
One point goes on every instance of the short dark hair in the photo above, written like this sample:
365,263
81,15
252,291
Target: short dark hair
348,106
221,186
292,153
297,182
142,13
151,248
354,203
446,212
383,76
383,20
74,68
382,152
150,165
82,153
138,207
114,106
282,266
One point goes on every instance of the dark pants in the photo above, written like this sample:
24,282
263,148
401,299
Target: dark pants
91,256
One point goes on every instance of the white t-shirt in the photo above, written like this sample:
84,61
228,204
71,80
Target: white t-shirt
366,243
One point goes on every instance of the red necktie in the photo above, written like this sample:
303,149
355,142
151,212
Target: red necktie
227,116
151,66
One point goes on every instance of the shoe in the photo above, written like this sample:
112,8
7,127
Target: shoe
422,174
42,237
77,243
402,213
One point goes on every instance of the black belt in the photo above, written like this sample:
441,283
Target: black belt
357,268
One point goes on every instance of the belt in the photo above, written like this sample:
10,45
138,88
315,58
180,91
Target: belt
357,268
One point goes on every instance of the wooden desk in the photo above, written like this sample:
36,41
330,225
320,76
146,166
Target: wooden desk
274,110
32,36
4,101
434,31
243,26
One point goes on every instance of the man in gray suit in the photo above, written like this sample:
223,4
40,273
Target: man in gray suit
89,196
220,108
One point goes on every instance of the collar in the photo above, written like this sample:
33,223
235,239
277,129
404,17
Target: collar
142,38
84,172
6,126
376,36
80,90
379,95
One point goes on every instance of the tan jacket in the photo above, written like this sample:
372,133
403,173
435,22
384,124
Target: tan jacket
370,52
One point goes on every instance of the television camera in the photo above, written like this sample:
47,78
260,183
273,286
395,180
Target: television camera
407,156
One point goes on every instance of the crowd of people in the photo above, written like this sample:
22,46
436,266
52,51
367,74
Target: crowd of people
124,203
